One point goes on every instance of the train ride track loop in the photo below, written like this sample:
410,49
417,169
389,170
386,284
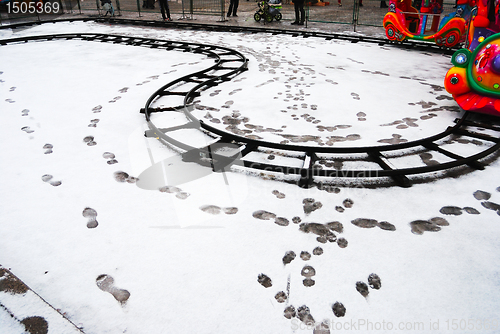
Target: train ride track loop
228,64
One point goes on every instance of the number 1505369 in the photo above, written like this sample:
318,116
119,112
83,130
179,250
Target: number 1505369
15,7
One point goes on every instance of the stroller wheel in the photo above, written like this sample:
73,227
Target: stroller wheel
278,17
257,17
268,18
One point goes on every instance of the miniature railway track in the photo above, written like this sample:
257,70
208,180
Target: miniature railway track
229,63
225,27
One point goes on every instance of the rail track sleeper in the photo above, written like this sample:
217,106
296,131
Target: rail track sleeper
435,147
306,174
151,133
400,178
476,135
169,93
481,125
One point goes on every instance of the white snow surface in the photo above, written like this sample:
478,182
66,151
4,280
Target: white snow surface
190,270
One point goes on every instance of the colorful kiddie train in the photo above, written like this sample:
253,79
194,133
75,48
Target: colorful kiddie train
403,21
474,81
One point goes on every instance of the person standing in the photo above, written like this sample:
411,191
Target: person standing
299,12
165,11
233,7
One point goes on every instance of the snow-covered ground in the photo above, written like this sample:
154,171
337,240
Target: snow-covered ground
115,258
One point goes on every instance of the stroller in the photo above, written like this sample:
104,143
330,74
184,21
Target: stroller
269,10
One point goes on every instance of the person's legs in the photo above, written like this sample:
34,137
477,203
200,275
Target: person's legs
235,7
302,12
167,9
162,9
296,8
229,11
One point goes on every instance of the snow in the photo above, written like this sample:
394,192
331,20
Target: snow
191,270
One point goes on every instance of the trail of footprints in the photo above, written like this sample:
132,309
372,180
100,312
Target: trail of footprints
215,210
435,224
303,313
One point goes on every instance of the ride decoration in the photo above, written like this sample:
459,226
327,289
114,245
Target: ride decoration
403,21
474,81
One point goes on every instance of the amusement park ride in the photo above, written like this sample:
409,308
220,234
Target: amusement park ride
474,81
403,21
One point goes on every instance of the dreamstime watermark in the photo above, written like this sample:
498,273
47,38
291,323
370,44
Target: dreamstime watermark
456,325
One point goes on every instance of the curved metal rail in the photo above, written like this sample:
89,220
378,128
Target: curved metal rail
229,63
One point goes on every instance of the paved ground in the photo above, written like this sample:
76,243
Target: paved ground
330,18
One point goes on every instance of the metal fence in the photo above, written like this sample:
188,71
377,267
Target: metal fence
203,7
346,12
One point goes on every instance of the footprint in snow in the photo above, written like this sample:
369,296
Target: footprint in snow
124,177
311,205
110,157
89,140
304,315
107,283
396,139
482,195
281,297
306,256
265,280
362,288
338,309
374,281
427,159
361,116
48,148
278,194
456,211
215,210
263,215
289,312
97,109
215,92
289,257
93,123
91,215
123,90
432,225
27,129
48,178
35,325
25,112
370,223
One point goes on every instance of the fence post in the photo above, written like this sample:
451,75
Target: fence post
307,13
355,14
223,11
70,6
